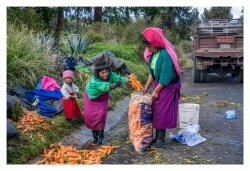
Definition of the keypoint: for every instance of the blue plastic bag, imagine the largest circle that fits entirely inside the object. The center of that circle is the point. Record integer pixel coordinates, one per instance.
(230, 114)
(188, 135)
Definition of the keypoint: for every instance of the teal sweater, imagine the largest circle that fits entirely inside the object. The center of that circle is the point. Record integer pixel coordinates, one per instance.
(164, 68)
(96, 86)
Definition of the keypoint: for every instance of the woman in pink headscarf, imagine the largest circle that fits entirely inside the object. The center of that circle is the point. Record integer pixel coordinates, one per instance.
(164, 72)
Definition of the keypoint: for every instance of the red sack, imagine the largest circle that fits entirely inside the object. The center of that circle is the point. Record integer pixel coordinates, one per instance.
(71, 109)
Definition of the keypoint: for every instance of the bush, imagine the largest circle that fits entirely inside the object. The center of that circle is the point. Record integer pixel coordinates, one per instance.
(102, 32)
(187, 46)
(26, 63)
(95, 37)
(120, 51)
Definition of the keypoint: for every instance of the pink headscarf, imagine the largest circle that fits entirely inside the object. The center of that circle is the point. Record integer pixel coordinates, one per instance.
(156, 38)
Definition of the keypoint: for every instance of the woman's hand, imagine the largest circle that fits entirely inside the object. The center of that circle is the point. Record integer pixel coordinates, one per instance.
(145, 90)
(154, 95)
(128, 79)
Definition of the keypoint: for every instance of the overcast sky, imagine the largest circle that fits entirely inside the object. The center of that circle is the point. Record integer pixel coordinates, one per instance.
(236, 10)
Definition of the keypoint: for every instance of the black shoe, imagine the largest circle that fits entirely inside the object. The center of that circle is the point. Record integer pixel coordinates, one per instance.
(160, 141)
(101, 137)
(95, 136)
(158, 145)
(155, 138)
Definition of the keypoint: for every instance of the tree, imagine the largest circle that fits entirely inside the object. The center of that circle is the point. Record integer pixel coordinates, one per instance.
(178, 20)
(59, 26)
(98, 14)
(48, 14)
(217, 13)
(26, 16)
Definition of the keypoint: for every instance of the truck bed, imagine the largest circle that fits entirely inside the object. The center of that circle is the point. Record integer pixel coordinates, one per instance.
(218, 46)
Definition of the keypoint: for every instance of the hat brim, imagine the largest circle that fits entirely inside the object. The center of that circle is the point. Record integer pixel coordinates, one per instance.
(101, 66)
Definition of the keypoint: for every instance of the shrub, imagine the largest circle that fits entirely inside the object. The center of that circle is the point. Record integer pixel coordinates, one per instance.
(120, 51)
(187, 46)
(26, 63)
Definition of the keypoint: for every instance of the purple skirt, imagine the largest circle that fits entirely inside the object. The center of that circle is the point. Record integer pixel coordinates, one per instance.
(95, 111)
(165, 107)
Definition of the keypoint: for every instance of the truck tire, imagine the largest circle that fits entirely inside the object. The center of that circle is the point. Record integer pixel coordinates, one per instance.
(240, 76)
(195, 72)
(203, 75)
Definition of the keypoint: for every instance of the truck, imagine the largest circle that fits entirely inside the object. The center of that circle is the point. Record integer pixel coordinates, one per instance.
(218, 48)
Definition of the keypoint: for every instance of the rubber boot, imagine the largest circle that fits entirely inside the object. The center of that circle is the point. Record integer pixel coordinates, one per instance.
(95, 136)
(155, 138)
(101, 137)
(160, 141)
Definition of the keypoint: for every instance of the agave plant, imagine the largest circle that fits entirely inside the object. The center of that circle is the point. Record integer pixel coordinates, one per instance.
(75, 45)
(43, 41)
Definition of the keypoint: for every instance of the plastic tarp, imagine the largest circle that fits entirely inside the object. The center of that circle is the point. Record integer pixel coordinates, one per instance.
(11, 130)
(140, 116)
(11, 100)
(70, 62)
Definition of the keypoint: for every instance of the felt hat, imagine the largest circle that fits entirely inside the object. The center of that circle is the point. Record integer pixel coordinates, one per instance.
(100, 63)
(68, 73)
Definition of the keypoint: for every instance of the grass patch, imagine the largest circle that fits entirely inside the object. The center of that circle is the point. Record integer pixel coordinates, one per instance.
(190, 99)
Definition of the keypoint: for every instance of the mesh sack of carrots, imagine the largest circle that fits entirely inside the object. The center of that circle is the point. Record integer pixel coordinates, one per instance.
(140, 117)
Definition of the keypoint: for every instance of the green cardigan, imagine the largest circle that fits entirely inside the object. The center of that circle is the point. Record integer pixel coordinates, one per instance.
(164, 68)
(96, 86)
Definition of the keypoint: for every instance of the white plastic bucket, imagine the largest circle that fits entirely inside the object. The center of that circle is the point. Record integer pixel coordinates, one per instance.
(188, 114)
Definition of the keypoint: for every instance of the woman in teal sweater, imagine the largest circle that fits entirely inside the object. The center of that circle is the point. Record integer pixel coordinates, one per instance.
(165, 73)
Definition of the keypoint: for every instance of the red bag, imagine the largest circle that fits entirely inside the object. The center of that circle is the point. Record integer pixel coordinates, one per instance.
(71, 109)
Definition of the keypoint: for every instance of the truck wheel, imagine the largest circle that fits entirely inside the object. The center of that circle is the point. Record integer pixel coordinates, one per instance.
(240, 76)
(203, 76)
(195, 72)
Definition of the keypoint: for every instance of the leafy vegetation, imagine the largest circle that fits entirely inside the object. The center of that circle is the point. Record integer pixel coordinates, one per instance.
(75, 45)
(26, 61)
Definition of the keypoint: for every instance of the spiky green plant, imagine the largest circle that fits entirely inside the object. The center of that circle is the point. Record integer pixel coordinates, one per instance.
(45, 42)
(74, 45)
(26, 63)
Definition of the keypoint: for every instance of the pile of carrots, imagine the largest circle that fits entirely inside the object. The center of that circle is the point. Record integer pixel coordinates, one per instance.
(59, 154)
(135, 83)
(33, 122)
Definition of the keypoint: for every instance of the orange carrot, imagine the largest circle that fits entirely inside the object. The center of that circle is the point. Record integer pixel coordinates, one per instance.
(39, 162)
(24, 131)
(19, 127)
(109, 151)
(101, 150)
(44, 151)
(61, 161)
(51, 146)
